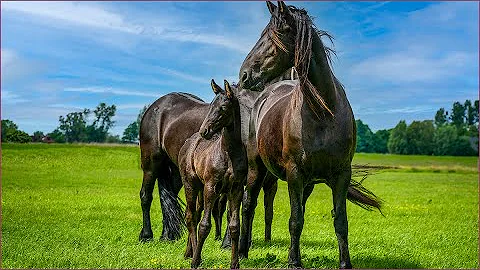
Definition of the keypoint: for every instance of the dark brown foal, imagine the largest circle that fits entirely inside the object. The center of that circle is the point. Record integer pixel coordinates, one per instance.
(214, 161)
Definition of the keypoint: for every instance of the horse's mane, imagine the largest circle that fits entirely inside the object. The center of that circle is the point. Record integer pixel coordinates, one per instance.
(305, 31)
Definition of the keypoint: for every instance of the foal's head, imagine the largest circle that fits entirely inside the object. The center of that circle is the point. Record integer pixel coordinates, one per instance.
(221, 113)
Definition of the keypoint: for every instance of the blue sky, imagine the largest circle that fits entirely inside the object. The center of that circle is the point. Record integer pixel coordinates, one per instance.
(397, 60)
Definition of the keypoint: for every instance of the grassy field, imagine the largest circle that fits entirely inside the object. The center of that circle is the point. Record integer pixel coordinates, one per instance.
(77, 206)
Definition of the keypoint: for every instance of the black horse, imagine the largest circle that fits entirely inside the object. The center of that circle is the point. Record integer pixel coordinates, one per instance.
(303, 132)
(165, 126)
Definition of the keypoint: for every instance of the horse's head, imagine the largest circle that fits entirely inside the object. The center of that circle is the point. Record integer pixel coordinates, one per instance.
(221, 112)
(273, 53)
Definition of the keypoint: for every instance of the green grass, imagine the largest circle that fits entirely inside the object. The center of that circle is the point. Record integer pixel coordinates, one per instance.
(77, 206)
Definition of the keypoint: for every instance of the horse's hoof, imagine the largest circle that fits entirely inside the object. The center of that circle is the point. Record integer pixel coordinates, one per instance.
(242, 255)
(296, 265)
(145, 237)
(195, 264)
(344, 265)
(235, 266)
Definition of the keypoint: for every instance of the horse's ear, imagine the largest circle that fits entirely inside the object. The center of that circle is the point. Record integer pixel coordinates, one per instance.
(216, 89)
(282, 7)
(228, 90)
(271, 7)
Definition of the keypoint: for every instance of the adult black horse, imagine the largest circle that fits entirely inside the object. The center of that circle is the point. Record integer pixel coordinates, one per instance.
(303, 132)
(165, 126)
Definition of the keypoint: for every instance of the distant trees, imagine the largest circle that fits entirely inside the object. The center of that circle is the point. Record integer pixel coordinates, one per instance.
(369, 142)
(74, 127)
(131, 133)
(455, 134)
(11, 133)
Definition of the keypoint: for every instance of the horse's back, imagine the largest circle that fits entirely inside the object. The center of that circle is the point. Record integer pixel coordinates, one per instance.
(169, 121)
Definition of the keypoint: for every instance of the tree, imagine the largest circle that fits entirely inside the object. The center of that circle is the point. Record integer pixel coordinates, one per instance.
(458, 114)
(469, 112)
(57, 136)
(8, 126)
(420, 138)
(37, 136)
(365, 138)
(475, 112)
(11, 133)
(131, 133)
(73, 126)
(381, 141)
(98, 130)
(441, 117)
(397, 142)
(444, 139)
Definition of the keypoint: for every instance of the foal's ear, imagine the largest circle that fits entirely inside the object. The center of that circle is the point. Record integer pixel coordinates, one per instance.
(216, 89)
(282, 7)
(271, 7)
(228, 90)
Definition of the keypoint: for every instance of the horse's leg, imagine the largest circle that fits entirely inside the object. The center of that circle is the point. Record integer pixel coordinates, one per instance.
(307, 191)
(205, 225)
(146, 197)
(270, 186)
(191, 217)
(295, 191)
(234, 201)
(255, 177)
(217, 212)
(151, 162)
(227, 239)
(339, 191)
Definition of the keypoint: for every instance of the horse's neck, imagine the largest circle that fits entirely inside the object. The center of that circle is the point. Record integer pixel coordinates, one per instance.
(320, 74)
(231, 134)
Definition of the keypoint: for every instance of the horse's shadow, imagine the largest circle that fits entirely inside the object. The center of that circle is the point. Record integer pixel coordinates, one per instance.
(358, 261)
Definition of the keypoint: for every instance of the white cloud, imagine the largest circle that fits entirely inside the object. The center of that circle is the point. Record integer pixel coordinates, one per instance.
(109, 90)
(10, 98)
(73, 12)
(409, 67)
(95, 15)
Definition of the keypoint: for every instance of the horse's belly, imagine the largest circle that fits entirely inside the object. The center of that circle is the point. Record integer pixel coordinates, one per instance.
(178, 130)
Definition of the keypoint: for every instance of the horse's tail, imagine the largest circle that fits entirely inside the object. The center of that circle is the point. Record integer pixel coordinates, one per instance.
(173, 214)
(363, 197)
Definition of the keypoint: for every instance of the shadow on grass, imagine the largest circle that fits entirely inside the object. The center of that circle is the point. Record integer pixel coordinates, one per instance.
(324, 262)
(364, 262)
(285, 243)
(384, 262)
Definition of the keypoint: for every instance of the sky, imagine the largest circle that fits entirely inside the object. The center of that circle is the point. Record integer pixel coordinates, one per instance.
(397, 60)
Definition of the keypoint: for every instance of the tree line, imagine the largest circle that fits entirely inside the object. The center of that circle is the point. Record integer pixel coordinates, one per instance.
(453, 134)
(449, 133)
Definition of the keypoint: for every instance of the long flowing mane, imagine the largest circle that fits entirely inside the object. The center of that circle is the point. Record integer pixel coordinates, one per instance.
(305, 31)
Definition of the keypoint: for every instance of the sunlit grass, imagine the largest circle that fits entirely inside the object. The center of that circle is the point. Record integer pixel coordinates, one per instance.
(77, 206)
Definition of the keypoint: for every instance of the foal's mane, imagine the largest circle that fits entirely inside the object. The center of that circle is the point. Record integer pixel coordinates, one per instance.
(305, 31)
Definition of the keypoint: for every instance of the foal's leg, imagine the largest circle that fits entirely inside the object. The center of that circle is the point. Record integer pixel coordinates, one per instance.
(255, 178)
(234, 201)
(217, 212)
(191, 217)
(206, 223)
(339, 191)
(270, 186)
(295, 191)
